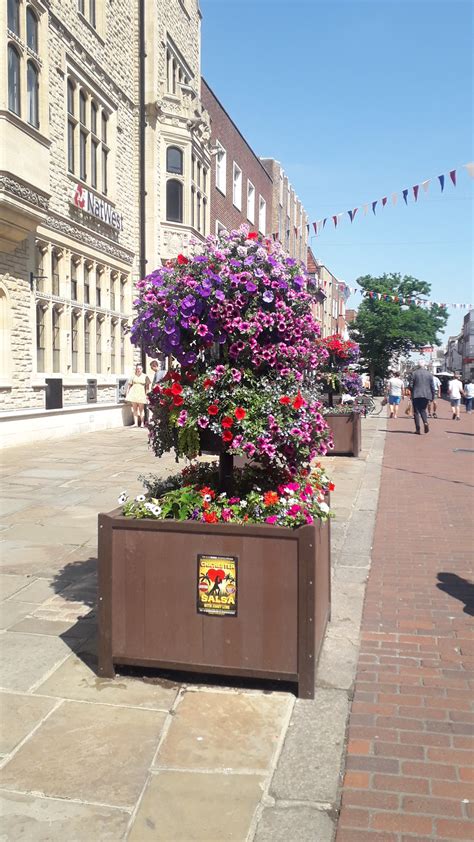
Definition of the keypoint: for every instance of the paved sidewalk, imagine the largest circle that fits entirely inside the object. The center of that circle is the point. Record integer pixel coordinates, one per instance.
(409, 773)
(84, 758)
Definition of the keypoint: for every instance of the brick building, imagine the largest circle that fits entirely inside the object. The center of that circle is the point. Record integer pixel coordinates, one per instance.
(241, 187)
(312, 268)
(289, 220)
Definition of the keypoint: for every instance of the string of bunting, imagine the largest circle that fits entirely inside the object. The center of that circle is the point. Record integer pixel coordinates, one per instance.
(337, 218)
(420, 302)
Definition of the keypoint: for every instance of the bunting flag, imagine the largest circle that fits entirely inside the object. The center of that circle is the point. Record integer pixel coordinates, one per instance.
(320, 223)
(420, 302)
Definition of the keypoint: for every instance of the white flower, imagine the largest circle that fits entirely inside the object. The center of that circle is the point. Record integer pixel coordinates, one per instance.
(123, 498)
(207, 498)
(243, 503)
(156, 511)
(290, 492)
(324, 508)
(140, 498)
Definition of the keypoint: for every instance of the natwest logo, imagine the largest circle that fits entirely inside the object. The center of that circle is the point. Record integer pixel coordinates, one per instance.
(91, 204)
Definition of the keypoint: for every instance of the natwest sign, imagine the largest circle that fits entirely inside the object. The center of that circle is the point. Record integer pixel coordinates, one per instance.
(91, 204)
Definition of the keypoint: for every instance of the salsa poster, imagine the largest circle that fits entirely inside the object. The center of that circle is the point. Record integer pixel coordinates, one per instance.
(217, 585)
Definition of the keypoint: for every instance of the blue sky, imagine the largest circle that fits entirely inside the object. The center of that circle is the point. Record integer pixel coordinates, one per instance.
(359, 99)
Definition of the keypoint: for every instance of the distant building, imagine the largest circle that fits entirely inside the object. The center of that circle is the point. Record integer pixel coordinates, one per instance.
(241, 189)
(351, 316)
(467, 346)
(453, 356)
(288, 218)
(319, 297)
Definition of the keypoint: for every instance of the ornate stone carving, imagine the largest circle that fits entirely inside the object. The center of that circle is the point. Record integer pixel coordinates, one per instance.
(23, 192)
(65, 227)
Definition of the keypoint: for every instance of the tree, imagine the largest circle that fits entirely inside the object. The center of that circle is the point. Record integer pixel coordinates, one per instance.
(385, 327)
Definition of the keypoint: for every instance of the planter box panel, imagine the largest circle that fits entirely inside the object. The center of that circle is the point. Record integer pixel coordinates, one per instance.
(347, 433)
(154, 587)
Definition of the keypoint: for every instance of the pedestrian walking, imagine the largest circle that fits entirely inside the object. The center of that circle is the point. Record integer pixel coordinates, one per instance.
(469, 395)
(138, 386)
(159, 372)
(422, 391)
(395, 388)
(455, 392)
(433, 406)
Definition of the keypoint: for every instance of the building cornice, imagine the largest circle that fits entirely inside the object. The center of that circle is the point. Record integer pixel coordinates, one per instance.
(62, 225)
(22, 190)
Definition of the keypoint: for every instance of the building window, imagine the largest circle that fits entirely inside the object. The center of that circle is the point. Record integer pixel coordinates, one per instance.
(198, 211)
(40, 269)
(32, 89)
(92, 13)
(13, 80)
(104, 124)
(221, 167)
(123, 334)
(5, 347)
(31, 29)
(54, 273)
(82, 155)
(98, 345)
(174, 201)
(174, 160)
(81, 5)
(56, 340)
(94, 144)
(75, 341)
(87, 343)
(123, 289)
(87, 284)
(204, 214)
(113, 361)
(40, 337)
(262, 215)
(73, 279)
(250, 202)
(237, 186)
(281, 188)
(113, 281)
(220, 228)
(14, 16)
(98, 291)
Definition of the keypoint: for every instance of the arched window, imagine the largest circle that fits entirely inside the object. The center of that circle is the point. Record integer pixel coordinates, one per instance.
(14, 16)
(13, 79)
(174, 201)
(31, 29)
(174, 160)
(32, 95)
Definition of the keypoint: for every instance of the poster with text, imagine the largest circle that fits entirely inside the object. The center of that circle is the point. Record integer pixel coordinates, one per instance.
(217, 585)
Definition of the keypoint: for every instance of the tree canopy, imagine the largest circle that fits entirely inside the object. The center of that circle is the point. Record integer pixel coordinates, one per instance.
(385, 328)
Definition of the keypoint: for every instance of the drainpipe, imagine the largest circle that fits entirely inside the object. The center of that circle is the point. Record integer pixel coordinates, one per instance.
(141, 151)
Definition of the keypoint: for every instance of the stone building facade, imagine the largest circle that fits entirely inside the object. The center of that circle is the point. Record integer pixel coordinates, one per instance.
(241, 188)
(288, 220)
(77, 177)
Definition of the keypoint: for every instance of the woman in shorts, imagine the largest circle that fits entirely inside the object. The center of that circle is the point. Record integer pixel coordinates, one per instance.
(395, 387)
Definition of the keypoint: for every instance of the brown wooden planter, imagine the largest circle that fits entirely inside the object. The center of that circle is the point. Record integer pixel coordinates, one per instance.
(148, 592)
(347, 433)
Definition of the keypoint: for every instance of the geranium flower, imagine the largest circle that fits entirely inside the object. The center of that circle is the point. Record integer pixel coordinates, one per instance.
(331, 486)
(210, 517)
(227, 436)
(213, 409)
(299, 401)
(178, 400)
(285, 400)
(182, 260)
(207, 491)
(176, 389)
(270, 498)
(240, 413)
(208, 383)
(252, 235)
(227, 421)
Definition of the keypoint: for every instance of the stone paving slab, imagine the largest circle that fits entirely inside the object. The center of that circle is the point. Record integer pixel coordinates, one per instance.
(11, 612)
(33, 819)
(88, 752)
(186, 807)
(238, 731)
(19, 714)
(296, 823)
(11, 584)
(26, 658)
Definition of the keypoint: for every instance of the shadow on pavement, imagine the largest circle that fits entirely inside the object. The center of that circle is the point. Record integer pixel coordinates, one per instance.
(458, 588)
(458, 433)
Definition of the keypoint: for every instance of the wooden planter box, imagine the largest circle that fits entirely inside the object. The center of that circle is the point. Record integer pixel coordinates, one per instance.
(148, 598)
(347, 433)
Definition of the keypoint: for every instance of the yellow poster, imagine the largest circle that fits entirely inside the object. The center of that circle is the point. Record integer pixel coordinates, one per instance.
(217, 585)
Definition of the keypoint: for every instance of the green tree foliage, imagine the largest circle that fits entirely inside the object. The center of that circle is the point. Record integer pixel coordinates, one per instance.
(387, 328)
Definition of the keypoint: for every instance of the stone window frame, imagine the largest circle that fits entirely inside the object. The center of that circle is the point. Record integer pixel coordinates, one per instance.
(221, 168)
(262, 215)
(5, 337)
(178, 74)
(93, 14)
(251, 201)
(91, 134)
(29, 59)
(199, 198)
(237, 179)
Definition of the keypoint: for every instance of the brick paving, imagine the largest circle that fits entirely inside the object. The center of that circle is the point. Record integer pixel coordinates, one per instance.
(409, 770)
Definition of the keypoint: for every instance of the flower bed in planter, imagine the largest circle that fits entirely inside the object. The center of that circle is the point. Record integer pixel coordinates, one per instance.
(346, 431)
(273, 622)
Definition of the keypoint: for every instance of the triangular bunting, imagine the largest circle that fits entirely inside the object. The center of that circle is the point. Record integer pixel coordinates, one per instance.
(470, 168)
(415, 189)
(425, 185)
(452, 176)
(334, 219)
(352, 214)
(441, 182)
(324, 221)
(374, 205)
(315, 226)
(384, 201)
(405, 195)
(365, 209)
(394, 198)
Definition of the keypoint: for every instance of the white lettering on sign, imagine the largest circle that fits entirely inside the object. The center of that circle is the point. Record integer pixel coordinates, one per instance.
(91, 204)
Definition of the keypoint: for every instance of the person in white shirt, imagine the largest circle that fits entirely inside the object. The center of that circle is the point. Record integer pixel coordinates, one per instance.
(395, 389)
(455, 392)
(433, 406)
(469, 395)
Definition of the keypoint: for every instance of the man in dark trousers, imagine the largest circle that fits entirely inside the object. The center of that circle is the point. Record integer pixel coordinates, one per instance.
(422, 390)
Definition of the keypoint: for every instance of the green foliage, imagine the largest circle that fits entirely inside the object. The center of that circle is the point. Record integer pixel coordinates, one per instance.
(387, 328)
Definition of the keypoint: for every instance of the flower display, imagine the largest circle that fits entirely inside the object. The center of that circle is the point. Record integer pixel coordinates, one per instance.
(236, 320)
(336, 371)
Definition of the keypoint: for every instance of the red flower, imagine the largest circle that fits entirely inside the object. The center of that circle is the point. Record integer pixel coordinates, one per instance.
(299, 401)
(240, 413)
(206, 490)
(227, 421)
(213, 409)
(252, 236)
(176, 389)
(285, 400)
(210, 517)
(208, 382)
(167, 391)
(227, 436)
(331, 486)
(178, 400)
(270, 498)
(182, 260)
